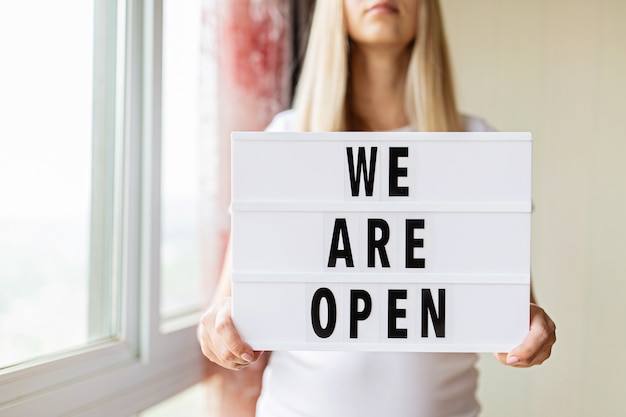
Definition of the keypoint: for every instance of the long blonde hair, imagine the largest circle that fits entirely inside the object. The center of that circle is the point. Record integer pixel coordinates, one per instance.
(320, 98)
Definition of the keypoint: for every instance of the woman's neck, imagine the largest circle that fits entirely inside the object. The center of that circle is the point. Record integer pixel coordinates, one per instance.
(375, 99)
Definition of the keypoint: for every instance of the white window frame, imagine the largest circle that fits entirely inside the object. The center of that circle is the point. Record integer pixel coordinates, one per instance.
(145, 366)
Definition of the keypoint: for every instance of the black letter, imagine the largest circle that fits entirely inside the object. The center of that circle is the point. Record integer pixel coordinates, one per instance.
(395, 171)
(412, 243)
(355, 314)
(428, 307)
(373, 244)
(315, 312)
(355, 175)
(346, 252)
(394, 313)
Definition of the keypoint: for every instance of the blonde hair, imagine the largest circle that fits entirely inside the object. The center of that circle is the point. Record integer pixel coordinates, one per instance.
(320, 98)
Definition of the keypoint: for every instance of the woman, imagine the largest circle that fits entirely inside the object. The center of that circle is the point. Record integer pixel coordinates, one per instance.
(371, 65)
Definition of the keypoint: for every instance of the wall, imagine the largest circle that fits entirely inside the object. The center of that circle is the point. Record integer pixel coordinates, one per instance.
(557, 68)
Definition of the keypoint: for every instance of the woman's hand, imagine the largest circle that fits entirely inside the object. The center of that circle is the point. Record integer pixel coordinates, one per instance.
(537, 345)
(220, 340)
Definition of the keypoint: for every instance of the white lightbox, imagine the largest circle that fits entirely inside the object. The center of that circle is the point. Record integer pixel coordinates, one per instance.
(390, 241)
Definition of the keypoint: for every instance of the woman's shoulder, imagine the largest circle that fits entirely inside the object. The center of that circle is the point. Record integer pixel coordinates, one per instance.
(475, 124)
(282, 122)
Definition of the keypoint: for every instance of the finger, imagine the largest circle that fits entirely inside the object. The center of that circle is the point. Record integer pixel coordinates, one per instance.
(211, 344)
(230, 346)
(218, 353)
(537, 345)
(501, 357)
(202, 334)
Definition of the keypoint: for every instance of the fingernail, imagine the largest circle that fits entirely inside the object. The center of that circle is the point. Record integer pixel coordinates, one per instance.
(511, 360)
(247, 357)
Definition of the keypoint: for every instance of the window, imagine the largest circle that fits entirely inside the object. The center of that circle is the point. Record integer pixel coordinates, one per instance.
(45, 162)
(80, 161)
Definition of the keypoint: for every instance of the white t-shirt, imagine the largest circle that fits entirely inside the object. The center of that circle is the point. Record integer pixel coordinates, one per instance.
(369, 384)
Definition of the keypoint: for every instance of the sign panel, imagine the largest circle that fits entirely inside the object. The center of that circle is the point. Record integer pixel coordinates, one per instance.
(390, 241)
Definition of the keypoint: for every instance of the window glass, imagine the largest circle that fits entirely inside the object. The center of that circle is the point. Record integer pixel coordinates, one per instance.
(45, 176)
(185, 187)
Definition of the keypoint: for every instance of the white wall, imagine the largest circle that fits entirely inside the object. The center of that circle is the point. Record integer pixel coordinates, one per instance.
(557, 68)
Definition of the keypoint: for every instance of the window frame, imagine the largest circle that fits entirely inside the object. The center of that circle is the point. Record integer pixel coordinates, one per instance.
(123, 376)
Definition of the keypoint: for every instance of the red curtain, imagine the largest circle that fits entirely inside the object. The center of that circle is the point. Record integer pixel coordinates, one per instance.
(246, 52)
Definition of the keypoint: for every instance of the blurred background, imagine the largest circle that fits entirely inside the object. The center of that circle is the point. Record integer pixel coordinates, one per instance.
(555, 68)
